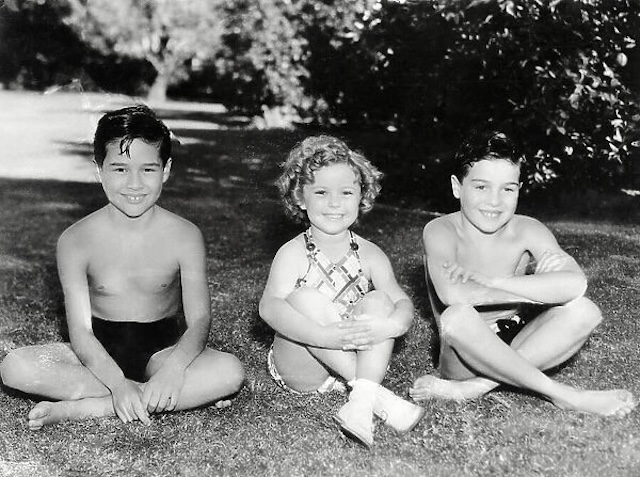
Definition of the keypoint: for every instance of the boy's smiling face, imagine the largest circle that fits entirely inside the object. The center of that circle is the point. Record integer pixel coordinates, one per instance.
(133, 182)
(488, 194)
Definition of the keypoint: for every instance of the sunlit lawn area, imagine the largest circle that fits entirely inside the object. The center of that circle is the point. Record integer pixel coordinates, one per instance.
(223, 184)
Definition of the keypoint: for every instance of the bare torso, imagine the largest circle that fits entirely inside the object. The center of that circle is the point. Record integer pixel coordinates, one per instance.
(132, 275)
(499, 255)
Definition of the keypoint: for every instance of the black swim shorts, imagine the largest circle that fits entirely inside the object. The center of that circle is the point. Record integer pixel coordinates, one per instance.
(131, 343)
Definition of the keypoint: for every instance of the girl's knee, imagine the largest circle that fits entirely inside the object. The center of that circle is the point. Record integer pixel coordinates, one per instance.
(376, 303)
(314, 305)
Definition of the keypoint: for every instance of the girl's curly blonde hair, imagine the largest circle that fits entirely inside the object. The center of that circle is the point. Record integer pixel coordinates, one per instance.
(314, 153)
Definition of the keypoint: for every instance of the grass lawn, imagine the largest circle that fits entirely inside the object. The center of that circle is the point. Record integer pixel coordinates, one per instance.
(223, 184)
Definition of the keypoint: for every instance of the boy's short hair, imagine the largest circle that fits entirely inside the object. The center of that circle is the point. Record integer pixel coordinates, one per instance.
(314, 153)
(125, 125)
(481, 145)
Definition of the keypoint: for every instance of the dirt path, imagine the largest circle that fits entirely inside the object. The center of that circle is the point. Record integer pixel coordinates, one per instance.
(49, 135)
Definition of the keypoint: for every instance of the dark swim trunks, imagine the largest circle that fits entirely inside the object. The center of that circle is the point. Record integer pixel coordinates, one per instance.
(508, 328)
(131, 343)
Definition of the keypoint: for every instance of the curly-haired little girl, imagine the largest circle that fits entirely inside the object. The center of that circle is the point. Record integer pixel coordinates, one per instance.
(332, 296)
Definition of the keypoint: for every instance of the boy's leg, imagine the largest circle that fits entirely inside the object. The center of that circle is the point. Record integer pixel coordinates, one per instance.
(484, 353)
(52, 370)
(211, 377)
(546, 341)
(55, 372)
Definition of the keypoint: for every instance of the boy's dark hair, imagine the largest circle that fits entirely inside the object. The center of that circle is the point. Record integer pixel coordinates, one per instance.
(492, 144)
(125, 125)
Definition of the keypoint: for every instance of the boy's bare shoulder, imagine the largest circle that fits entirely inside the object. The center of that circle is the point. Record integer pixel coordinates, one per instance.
(83, 229)
(524, 225)
(175, 225)
(441, 227)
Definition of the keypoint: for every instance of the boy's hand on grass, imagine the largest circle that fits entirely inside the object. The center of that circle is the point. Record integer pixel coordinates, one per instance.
(127, 403)
(162, 391)
(347, 335)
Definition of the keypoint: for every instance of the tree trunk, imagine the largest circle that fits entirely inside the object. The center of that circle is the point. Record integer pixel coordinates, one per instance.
(158, 91)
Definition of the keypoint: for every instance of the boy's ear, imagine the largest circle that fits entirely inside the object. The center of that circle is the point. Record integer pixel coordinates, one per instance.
(166, 171)
(455, 186)
(98, 171)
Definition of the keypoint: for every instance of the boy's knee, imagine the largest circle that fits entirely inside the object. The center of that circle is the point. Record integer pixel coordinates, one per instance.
(587, 312)
(314, 305)
(234, 371)
(454, 320)
(376, 303)
(13, 369)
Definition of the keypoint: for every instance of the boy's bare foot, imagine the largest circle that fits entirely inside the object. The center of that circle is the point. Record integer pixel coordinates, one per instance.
(46, 412)
(432, 387)
(612, 403)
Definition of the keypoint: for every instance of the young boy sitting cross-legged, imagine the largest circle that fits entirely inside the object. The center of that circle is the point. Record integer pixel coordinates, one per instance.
(128, 272)
(475, 261)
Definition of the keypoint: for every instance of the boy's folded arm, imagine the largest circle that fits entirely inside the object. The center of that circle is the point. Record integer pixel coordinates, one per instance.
(440, 250)
(555, 287)
(475, 294)
(557, 279)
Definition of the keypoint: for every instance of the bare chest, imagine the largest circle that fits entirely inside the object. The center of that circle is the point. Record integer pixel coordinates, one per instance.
(122, 271)
(503, 259)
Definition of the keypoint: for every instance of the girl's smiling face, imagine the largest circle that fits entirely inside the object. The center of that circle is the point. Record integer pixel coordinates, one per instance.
(332, 201)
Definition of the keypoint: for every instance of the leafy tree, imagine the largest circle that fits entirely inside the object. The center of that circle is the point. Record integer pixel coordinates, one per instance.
(550, 70)
(270, 51)
(36, 48)
(174, 36)
(554, 70)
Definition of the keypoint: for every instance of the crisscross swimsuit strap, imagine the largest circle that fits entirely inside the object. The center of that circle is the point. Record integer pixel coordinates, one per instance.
(343, 281)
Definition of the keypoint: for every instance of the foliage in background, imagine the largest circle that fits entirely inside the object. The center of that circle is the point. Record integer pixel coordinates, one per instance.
(552, 71)
(271, 46)
(553, 68)
(563, 75)
(174, 36)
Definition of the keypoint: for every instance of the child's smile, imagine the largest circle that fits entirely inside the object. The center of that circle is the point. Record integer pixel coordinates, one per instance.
(133, 183)
(332, 201)
(489, 194)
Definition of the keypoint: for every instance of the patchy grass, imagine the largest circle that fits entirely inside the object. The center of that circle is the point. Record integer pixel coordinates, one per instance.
(222, 184)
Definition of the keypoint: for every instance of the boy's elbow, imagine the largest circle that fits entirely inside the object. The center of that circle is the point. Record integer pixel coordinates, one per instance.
(452, 297)
(578, 288)
(263, 309)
